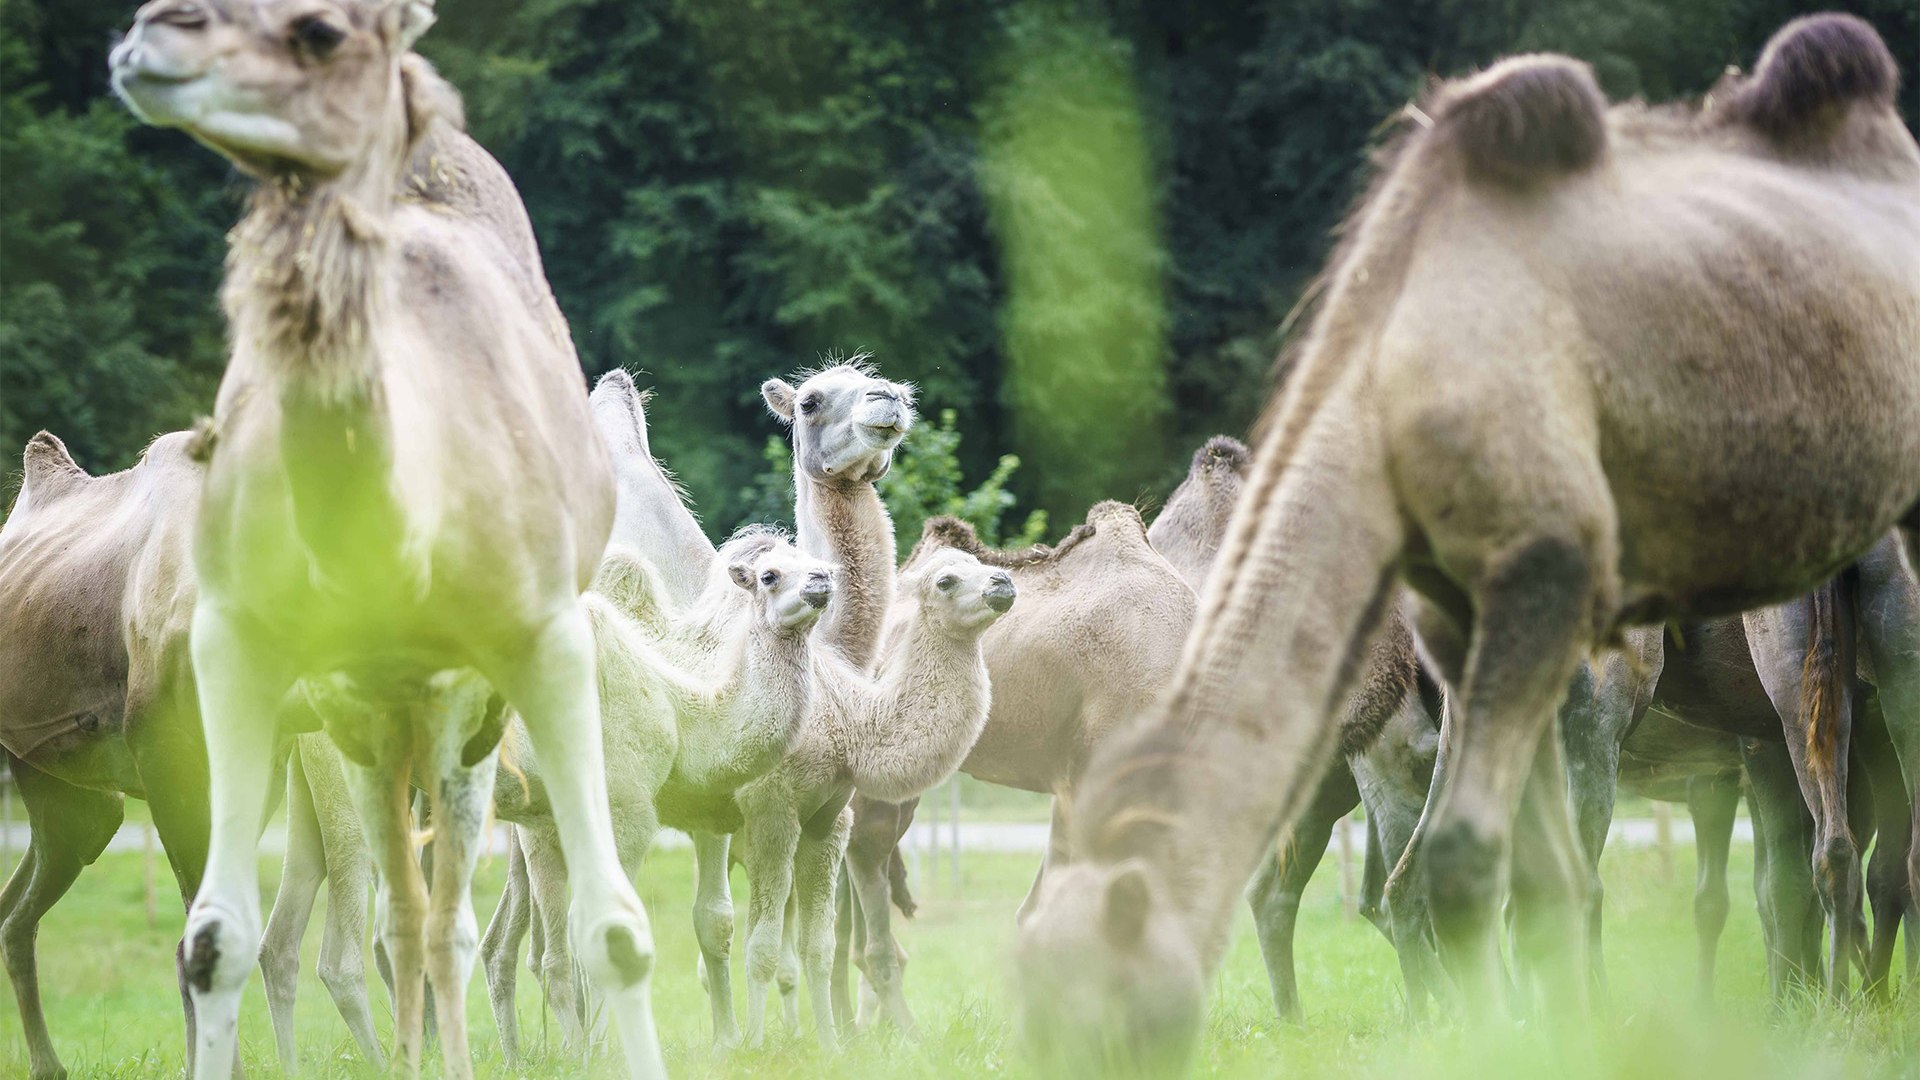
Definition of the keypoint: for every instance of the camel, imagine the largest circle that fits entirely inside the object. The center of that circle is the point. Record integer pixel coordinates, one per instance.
(97, 698)
(403, 501)
(1640, 416)
(895, 734)
(1188, 530)
(1095, 637)
(693, 703)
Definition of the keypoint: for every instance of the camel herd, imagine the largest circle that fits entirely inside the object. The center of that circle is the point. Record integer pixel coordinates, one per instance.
(1598, 469)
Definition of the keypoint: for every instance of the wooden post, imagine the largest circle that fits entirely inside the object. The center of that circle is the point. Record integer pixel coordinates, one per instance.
(953, 811)
(1663, 837)
(147, 875)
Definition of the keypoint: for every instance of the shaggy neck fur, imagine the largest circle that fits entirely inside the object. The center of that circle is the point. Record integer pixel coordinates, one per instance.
(911, 727)
(848, 526)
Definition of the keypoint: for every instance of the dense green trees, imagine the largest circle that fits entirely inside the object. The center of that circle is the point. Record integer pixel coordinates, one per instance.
(1076, 225)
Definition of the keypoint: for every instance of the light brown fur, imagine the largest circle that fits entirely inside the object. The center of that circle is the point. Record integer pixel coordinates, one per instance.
(404, 495)
(1673, 376)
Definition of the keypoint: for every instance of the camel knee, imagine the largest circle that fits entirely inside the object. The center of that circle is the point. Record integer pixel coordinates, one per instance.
(618, 954)
(344, 976)
(713, 928)
(221, 949)
(1462, 877)
(1836, 870)
(453, 938)
(763, 953)
(1710, 908)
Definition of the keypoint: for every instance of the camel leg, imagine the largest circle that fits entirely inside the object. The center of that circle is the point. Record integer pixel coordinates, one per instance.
(771, 840)
(169, 750)
(877, 828)
(1551, 873)
(1527, 640)
(844, 923)
(1712, 803)
(1889, 629)
(816, 869)
(461, 796)
(713, 929)
(1274, 894)
(1395, 778)
(1373, 882)
(349, 871)
(500, 950)
(240, 692)
(553, 686)
(1783, 874)
(301, 874)
(787, 978)
(1057, 853)
(1803, 652)
(1887, 896)
(70, 828)
(382, 798)
(553, 963)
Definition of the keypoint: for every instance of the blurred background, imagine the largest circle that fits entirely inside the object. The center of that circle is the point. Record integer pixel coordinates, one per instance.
(1077, 226)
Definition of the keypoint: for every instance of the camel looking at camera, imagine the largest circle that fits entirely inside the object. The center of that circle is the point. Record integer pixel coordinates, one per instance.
(404, 497)
(1676, 380)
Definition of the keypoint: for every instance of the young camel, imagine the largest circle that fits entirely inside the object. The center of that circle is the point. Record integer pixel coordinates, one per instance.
(680, 765)
(1651, 333)
(895, 734)
(403, 500)
(96, 694)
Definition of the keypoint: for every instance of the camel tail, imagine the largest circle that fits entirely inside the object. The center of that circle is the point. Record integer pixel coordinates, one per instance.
(1823, 704)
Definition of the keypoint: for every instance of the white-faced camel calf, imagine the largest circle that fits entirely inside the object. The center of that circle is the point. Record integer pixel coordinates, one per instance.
(404, 497)
(1576, 370)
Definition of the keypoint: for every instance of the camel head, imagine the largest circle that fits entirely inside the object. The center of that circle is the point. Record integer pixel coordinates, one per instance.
(789, 588)
(1109, 983)
(846, 421)
(303, 88)
(959, 593)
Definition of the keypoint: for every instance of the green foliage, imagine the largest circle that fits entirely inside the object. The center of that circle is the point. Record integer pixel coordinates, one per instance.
(925, 481)
(1077, 224)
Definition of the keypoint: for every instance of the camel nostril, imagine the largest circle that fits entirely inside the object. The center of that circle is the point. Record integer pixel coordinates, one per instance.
(1000, 593)
(817, 593)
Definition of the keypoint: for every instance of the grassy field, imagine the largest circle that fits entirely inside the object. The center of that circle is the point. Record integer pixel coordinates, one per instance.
(108, 979)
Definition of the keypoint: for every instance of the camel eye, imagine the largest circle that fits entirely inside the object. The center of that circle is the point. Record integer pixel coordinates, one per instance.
(946, 583)
(809, 404)
(317, 36)
(770, 578)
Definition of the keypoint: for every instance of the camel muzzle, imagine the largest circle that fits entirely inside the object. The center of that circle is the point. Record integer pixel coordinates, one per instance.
(1000, 593)
(817, 592)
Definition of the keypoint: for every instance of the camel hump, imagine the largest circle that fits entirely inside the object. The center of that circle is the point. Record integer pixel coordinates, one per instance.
(50, 471)
(1526, 119)
(1222, 451)
(1812, 67)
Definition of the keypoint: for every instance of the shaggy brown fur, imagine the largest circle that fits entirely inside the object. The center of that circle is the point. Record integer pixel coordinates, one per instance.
(951, 532)
(1811, 70)
(1526, 119)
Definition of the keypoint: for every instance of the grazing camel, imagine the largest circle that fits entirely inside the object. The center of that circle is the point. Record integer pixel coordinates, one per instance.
(403, 501)
(96, 694)
(1676, 380)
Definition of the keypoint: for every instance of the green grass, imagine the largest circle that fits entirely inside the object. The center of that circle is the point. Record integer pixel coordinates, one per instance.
(108, 980)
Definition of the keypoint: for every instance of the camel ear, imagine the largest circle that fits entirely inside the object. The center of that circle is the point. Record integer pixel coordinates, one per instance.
(1123, 916)
(742, 575)
(413, 17)
(429, 97)
(779, 398)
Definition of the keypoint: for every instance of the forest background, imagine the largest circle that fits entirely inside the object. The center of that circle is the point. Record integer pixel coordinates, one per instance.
(1078, 227)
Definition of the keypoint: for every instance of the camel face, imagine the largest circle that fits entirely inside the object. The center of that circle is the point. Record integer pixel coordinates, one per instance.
(846, 421)
(961, 593)
(790, 589)
(300, 88)
(1106, 979)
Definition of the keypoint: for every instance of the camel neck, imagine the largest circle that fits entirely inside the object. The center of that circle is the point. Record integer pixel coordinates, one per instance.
(848, 526)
